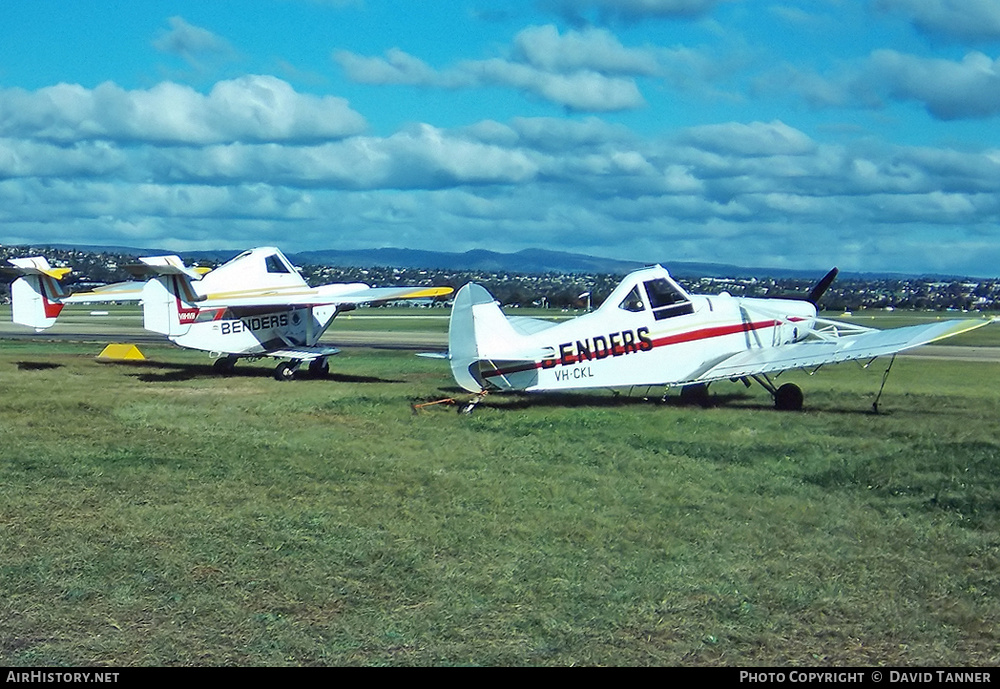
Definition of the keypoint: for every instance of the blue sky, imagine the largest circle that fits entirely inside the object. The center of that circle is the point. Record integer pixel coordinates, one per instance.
(857, 133)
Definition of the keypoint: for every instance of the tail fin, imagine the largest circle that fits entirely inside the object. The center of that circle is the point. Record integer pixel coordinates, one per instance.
(168, 300)
(168, 305)
(36, 295)
(486, 351)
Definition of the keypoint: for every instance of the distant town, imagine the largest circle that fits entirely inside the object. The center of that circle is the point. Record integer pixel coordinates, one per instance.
(576, 290)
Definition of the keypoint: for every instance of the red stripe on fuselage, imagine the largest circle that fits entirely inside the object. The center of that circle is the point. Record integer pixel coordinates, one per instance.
(718, 331)
(689, 336)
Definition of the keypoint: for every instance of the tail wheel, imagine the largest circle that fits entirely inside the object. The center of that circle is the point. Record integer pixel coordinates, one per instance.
(284, 371)
(788, 397)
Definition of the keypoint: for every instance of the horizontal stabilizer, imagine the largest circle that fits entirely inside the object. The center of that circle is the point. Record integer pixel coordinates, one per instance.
(151, 266)
(304, 353)
(525, 325)
(34, 265)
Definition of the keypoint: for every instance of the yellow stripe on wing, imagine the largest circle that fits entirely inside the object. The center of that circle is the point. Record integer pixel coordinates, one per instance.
(427, 292)
(962, 327)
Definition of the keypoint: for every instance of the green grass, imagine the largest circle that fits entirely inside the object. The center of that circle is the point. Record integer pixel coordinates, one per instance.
(158, 515)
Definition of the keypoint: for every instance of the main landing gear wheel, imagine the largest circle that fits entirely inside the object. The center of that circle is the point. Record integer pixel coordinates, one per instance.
(284, 371)
(319, 368)
(788, 398)
(224, 366)
(695, 395)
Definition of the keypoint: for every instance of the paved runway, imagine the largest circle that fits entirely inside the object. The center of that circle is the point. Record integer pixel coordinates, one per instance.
(406, 340)
(955, 353)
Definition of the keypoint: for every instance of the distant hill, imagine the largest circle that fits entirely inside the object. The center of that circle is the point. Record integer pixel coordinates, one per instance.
(530, 261)
(526, 261)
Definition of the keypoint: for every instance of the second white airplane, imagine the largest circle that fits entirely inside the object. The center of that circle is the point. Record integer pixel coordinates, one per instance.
(255, 305)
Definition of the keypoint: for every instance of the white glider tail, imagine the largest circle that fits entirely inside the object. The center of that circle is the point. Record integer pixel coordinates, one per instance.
(36, 297)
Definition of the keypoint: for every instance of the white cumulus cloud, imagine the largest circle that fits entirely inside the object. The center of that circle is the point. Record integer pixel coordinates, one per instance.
(251, 108)
(194, 44)
(588, 71)
(948, 89)
(963, 20)
(634, 9)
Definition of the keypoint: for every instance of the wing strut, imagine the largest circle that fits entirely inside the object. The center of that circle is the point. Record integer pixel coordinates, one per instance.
(885, 377)
(765, 383)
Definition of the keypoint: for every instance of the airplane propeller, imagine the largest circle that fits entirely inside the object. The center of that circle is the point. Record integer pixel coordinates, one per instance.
(821, 287)
(817, 291)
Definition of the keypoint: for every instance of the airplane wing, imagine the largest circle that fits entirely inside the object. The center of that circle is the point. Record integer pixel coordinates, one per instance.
(864, 344)
(338, 294)
(119, 291)
(354, 294)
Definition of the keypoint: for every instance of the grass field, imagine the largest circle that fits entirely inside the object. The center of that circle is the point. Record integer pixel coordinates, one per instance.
(158, 515)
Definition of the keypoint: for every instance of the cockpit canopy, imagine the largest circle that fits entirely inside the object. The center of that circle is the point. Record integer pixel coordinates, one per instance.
(661, 295)
(261, 268)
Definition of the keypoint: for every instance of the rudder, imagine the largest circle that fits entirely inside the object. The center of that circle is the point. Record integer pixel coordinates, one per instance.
(167, 307)
(35, 295)
(478, 334)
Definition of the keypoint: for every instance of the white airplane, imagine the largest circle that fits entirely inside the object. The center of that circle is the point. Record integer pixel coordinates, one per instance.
(255, 305)
(650, 332)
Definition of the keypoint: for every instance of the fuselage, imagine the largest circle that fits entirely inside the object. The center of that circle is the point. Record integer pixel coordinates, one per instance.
(648, 332)
(262, 273)
(252, 331)
(636, 349)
